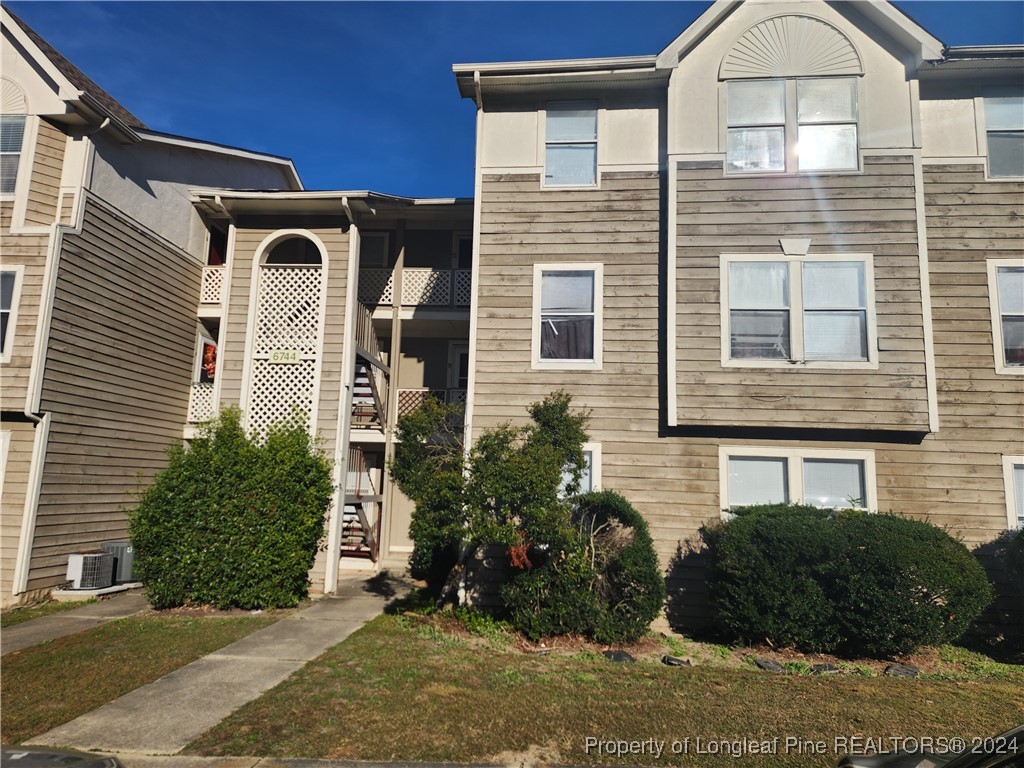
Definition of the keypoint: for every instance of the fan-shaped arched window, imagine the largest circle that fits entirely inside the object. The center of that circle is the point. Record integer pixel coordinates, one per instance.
(12, 134)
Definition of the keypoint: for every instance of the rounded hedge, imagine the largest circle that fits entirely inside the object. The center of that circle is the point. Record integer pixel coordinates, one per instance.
(608, 586)
(233, 522)
(842, 582)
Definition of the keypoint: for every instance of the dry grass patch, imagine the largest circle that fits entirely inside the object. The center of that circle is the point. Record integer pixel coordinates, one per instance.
(50, 684)
(402, 690)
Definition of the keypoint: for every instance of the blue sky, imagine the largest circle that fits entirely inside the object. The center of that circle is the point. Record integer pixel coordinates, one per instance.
(361, 95)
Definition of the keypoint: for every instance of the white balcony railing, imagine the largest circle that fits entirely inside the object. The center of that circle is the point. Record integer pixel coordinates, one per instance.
(212, 291)
(420, 287)
(411, 399)
(200, 402)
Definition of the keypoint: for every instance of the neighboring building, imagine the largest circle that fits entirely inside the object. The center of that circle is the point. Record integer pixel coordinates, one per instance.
(748, 318)
(102, 257)
(781, 260)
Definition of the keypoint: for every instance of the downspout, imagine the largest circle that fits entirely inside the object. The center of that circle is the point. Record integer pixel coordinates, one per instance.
(467, 426)
(348, 364)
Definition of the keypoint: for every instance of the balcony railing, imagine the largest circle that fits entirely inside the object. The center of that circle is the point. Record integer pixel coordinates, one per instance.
(411, 399)
(200, 402)
(420, 287)
(212, 291)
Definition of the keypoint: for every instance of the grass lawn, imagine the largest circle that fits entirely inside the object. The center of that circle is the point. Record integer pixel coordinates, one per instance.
(17, 615)
(50, 684)
(403, 690)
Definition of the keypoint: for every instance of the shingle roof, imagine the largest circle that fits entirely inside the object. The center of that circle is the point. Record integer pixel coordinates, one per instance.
(78, 78)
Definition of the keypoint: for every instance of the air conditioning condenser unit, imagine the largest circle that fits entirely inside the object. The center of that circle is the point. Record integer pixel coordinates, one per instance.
(90, 570)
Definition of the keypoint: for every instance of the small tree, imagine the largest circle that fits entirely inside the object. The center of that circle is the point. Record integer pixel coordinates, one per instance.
(232, 521)
(508, 489)
(581, 564)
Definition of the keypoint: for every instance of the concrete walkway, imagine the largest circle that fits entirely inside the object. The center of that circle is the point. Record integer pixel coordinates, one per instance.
(69, 622)
(163, 717)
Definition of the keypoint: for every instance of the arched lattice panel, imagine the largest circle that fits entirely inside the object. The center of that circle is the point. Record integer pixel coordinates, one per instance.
(791, 46)
(285, 345)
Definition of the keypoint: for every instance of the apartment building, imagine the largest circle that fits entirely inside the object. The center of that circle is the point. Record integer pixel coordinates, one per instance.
(781, 260)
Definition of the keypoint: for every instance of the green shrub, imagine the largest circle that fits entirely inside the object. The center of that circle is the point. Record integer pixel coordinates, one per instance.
(606, 584)
(847, 582)
(233, 522)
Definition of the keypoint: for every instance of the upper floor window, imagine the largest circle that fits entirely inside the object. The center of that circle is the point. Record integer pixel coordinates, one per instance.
(1006, 292)
(1004, 134)
(570, 144)
(818, 478)
(807, 124)
(567, 316)
(796, 310)
(12, 133)
(10, 286)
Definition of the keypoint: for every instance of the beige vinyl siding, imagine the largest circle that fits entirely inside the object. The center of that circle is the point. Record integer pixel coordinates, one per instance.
(116, 381)
(44, 185)
(28, 251)
(12, 502)
(871, 213)
(234, 345)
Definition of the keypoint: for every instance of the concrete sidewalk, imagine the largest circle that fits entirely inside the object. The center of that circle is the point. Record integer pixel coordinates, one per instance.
(69, 622)
(163, 717)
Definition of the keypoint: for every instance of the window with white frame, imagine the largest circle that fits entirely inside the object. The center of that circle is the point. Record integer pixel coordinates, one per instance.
(567, 315)
(806, 124)
(1013, 477)
(1006, 294)
(12, 133)
(10, 289)
(809, 309)
(1004, 133)
(590, 478)
(819, 478)
(570, 144)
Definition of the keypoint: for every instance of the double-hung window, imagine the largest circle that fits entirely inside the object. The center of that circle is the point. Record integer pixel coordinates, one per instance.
(12, 133)
(797, 310)
(570, 144)
(807, 124)
(567, 315)
(10, 289)
(819, 478)
(1004, 134)
(1006, 294)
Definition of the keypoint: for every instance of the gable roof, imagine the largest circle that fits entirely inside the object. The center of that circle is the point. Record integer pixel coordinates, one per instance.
(77, 77)
(902, 28)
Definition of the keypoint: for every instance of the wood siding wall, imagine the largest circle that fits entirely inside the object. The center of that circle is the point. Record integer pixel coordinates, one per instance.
(116, 381)
(12, 502)
(953, 478)
(28, 250)
(234, 344)
(44, 188)
(872, 213)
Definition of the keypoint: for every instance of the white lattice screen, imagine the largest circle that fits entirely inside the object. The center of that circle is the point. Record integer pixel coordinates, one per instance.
(426, 286)
(288, 308)
(463, 287)
(376, 286)
(213, 285)
(200, 402)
